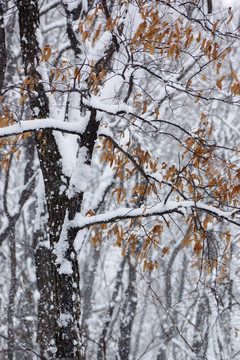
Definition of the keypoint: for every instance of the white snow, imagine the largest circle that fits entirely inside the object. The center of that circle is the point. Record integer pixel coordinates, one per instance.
(81, 176)
(159, 209)
(96, 102)
(37, 124)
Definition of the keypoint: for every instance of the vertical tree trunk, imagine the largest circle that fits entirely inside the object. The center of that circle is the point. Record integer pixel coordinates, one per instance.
(64, 284)
(209, 2)
(62, 277)
(3, 53)
(128, 314)
(12, 293)
(102, 351)
(46, 312)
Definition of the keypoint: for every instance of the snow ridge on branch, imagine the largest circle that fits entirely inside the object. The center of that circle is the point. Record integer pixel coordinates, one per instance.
(161, 209)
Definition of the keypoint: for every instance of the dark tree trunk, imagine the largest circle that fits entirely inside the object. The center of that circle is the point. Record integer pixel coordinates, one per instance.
(46, 311)
(62, 278)
(64, 285)
(12, 293)
(3, 53)
(209, 6)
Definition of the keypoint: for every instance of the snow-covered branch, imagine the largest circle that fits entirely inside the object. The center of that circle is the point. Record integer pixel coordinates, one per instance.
(38, 124)
(161, 209)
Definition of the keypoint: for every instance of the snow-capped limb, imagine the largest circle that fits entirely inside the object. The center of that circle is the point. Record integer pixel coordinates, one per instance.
(96, 103)
(38, 124)
(161, 209)
(54, 124)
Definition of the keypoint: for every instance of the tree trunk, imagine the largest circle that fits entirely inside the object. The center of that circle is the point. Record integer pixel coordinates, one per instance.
(12, 293)
(62, 276)
(128, 314)
(3, 53)
(46, 312)
(63, 282)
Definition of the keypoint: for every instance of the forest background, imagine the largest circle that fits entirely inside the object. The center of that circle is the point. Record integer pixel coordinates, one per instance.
(119, 136)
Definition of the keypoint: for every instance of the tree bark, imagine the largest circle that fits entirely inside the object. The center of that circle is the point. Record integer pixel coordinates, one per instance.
(128, 314)
(12, 293)
(3, 53)
(65, 285)
(209, 6)
(63, 280)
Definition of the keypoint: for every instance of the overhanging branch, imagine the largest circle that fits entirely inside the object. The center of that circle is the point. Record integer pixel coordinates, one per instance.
(39, 124)
(80, 222)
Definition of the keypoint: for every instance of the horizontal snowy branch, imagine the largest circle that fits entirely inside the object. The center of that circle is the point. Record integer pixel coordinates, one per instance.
(54, 124)
(96, 103)
(38, 124)
(81, 222)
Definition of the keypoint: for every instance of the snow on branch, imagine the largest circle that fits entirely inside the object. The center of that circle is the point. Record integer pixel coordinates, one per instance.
(38, 124)
(96, 103)
(81, 221)
(54, 124)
